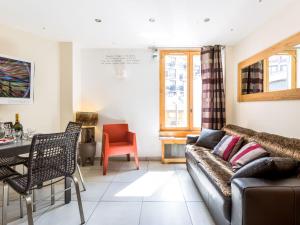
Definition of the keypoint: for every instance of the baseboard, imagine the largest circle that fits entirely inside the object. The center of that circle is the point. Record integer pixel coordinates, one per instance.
(142, 158)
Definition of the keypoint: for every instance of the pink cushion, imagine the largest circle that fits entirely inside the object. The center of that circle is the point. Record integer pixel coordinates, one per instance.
(225, 146)
(246, 154)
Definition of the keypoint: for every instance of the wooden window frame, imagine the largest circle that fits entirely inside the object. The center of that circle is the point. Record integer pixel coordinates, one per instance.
(178, 131)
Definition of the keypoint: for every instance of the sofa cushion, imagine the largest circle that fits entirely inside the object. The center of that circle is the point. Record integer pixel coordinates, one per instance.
(236, 148)
(216, 169)
(246, 154)
(209, 138)
(268, 167)
(225, 146)
(193, 149)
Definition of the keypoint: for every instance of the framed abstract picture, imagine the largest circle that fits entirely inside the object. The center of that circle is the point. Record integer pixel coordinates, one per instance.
(16, 80)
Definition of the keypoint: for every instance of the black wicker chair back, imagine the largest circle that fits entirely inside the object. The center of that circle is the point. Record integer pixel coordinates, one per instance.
(73, 127)
(51, 156)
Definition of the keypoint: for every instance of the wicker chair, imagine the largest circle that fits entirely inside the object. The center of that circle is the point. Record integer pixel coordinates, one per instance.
(51, 156)
(76, 127)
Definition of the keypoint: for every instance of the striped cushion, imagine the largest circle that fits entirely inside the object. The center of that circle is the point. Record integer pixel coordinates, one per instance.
(225, 146)
(246, 154)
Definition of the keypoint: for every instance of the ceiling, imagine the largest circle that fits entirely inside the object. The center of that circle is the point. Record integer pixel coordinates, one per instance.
(125, 23)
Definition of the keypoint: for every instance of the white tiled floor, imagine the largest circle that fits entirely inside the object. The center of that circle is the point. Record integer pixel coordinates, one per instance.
(156, 194)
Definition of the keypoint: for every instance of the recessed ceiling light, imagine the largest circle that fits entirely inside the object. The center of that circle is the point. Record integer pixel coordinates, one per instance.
(231, 29)
(44, 28)
(97, 20)
(260, 1)
(151, 19)
(206, 20)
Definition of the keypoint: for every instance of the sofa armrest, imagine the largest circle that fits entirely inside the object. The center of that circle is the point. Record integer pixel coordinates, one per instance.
(191, 139)
(260, 202)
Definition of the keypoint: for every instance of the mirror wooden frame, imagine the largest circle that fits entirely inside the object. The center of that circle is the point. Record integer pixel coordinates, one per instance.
(291, 94)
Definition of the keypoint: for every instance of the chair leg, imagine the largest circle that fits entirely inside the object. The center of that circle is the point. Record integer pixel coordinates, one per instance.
(101, 159)
(21, 207)
(4, 207)
(52, 193)
(105, 164)
(33, 200)
(8, 196)
(79, 199)
(128, 157)
(29, 209)
(136, 159)
(81, 177)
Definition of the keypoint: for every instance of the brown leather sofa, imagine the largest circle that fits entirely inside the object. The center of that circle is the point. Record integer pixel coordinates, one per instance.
(246, 201)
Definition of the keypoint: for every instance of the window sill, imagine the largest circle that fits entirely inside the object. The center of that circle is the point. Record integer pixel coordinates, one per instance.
(178, 133)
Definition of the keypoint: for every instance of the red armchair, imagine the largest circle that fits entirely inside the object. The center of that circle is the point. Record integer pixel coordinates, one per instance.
(117, 140)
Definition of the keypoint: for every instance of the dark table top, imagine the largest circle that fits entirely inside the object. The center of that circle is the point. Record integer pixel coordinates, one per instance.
(16, 148)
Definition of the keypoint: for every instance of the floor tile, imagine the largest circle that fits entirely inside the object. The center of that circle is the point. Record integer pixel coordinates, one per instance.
(157, 194)
(165, 213)
(199, 213)
(127, 166)
(167, 187)
(62, 214)
(116, 213)
(157, 165)
(122, 192)
(97, 176)
(188, 187)
(129, 176)
(94, 192)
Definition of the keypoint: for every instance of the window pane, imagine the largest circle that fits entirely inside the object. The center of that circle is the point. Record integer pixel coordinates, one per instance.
(280, 72)
(176, 91)
(197, 91)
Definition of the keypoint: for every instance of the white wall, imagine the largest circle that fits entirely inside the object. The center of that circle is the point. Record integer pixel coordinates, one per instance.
(66, 84)
(44, 113)
(134, 100)
(280, 117)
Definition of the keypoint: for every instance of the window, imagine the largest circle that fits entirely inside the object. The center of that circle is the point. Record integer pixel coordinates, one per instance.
(281, 69)
(180, 92)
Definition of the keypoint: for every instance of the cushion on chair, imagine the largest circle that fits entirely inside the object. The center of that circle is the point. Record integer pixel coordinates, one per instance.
(246, 154)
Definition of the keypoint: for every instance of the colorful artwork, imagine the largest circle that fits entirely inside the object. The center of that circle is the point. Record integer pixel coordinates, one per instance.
(15, 79)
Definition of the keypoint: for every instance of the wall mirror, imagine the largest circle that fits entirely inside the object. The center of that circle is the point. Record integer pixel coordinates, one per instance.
(273, 74)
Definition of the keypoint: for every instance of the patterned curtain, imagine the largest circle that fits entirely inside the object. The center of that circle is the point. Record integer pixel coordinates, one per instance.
(213, 96)
(253, 78)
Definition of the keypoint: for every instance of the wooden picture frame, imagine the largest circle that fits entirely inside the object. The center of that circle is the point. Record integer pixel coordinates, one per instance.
(290, 94)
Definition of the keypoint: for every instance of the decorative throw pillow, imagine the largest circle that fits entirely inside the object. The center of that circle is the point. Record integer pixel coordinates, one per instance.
(236, 148)
(209, 138)
(268, 167)
(246, 154)
(225, 146)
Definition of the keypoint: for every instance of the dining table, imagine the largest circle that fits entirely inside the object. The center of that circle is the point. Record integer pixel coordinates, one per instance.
(23, 147)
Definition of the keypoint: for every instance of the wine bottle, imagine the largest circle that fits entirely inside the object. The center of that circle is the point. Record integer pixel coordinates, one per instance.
(18, 126)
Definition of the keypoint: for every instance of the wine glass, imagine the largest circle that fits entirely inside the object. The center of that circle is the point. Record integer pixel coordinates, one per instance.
(2, 130)
(30, 132)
